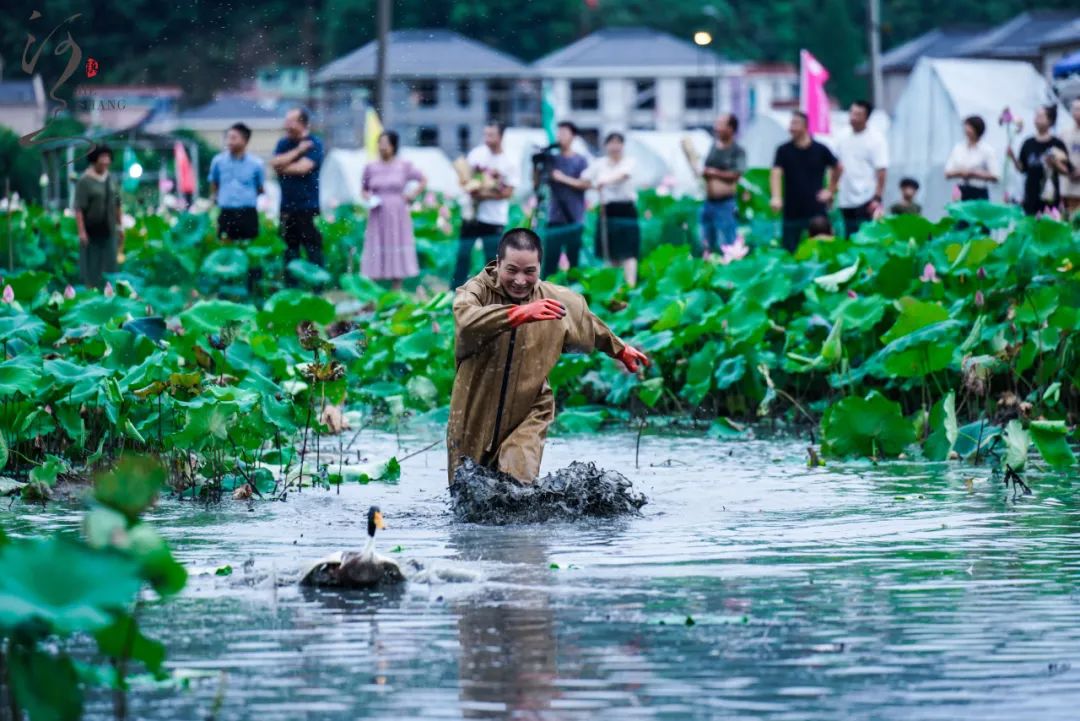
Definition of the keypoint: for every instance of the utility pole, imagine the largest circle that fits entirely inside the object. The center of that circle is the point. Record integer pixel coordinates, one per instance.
(873, 32)
(382, 22)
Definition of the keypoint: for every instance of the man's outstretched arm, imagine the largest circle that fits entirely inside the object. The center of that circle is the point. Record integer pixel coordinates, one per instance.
(476, 324)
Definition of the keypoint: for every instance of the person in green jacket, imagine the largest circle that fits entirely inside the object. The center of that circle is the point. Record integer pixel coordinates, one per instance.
(99, 219)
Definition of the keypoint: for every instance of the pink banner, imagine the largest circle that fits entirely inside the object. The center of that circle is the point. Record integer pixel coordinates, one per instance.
(813, 99)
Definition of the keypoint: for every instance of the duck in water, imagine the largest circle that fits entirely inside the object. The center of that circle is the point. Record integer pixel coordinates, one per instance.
(348, 569)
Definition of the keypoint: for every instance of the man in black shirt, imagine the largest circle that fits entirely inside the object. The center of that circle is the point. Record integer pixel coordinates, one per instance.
(797, 180)
(1040, 155)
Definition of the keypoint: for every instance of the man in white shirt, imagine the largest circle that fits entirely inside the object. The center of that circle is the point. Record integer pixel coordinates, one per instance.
(864, 159)
(495, 175)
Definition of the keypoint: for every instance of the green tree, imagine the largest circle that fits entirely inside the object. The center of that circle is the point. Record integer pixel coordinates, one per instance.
(835, 38)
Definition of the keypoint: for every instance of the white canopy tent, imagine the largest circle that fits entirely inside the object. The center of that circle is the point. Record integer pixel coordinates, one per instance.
(769, 130)
(929, 121)
(342, 171)
(662, 158)
(657, 156)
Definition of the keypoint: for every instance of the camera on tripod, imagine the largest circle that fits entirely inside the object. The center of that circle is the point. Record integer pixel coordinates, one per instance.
(543, 162)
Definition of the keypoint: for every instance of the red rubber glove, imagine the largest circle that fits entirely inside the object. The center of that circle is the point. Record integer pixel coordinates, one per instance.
(544, 309)
(630, 358)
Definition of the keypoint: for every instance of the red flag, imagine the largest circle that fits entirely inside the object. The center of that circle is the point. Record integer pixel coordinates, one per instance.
(185, 174)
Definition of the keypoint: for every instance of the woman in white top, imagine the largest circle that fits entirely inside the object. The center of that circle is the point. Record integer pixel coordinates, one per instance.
(972, 162)
(618, 237)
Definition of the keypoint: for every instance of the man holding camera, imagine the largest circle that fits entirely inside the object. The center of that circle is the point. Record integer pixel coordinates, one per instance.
(566, 208)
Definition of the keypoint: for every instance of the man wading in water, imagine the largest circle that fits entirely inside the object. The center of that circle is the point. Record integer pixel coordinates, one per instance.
(511, 328)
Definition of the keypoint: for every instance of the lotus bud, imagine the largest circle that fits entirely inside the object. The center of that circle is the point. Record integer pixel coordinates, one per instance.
(69, 292)
(981, 273)
(9, 294)
(852, 294)
(980, 299)
(109, 292)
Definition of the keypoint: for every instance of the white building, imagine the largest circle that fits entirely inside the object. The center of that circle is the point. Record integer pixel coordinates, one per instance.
(641, 79)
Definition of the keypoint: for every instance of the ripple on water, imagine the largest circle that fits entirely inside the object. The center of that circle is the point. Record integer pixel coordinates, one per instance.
(897, 592)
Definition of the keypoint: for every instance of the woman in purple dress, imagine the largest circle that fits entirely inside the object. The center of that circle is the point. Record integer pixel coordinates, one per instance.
(389, 247)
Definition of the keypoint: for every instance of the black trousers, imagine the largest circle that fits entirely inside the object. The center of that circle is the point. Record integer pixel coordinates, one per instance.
(792, 233)
(488, 233)
(238, 223)
(298, 230)
(970, 192)
(855, 217)
(559, 238)
(241, 224)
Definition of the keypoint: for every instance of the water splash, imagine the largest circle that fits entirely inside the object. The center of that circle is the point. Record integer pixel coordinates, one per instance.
(482, 495)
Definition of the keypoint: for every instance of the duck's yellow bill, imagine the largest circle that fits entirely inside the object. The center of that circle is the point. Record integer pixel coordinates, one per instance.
(379, 521)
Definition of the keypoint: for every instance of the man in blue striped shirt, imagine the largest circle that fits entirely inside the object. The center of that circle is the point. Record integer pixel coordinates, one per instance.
(236, 180)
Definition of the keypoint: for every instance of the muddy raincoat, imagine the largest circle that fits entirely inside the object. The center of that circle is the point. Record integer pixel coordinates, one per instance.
(501, 404)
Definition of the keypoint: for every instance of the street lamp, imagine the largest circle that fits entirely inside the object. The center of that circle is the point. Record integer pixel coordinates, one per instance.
(702, 38)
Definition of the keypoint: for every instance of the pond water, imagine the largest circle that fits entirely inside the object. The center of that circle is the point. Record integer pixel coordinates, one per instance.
(899, 591)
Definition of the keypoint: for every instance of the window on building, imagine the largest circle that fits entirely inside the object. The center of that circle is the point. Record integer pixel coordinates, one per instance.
(425, 93)
(427, 137)
(584, 95)
(591, 136)
(699, 94)
(464, 93)
(644, 95)
(498, 101)
(463, 138)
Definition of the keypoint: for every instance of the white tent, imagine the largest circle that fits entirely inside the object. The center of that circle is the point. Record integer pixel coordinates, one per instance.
(769, 130)
(929, 121)
(661, 158)
(342, 171)
(657, 156)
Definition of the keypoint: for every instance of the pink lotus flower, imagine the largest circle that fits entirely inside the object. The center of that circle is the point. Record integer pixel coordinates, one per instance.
(48, 409)
(980, 299)
(852, 294)
(956, 193)
(109, 292)
(734, 251)
(69, 292)
(9, 294)
(430, 198)
(444, 212)
(929, 274)
(1006, 116)
(1054, 214)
